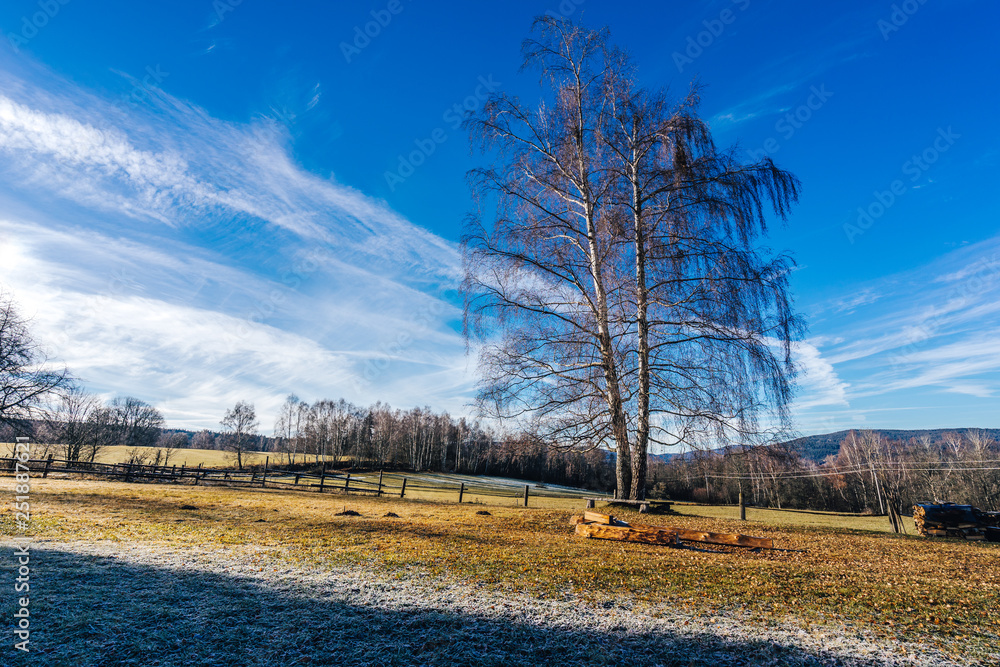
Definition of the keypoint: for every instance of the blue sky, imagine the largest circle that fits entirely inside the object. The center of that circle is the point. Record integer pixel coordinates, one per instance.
(203, 202)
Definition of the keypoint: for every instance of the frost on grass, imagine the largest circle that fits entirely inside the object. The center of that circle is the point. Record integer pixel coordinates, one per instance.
(110, 604)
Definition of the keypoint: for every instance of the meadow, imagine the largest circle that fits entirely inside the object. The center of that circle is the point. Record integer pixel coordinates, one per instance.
(828, 571)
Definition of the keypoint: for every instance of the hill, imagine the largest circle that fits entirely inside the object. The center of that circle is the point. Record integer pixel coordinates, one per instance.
(818, 447)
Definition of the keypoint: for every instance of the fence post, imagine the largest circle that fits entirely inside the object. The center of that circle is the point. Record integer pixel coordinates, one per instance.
(461, 492)
(379, 483)
(48, 464)
(263, 481)
(296, 478)
(402, 491)
(347, 482)
(525, 495)
(322, 479)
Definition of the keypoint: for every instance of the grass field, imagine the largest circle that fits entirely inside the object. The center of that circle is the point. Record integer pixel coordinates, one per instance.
(828, 569)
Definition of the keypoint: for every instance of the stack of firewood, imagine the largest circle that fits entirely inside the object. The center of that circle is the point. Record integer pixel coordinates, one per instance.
(951, 520)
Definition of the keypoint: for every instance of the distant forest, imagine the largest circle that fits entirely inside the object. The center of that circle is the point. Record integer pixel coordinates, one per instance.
(850, 471)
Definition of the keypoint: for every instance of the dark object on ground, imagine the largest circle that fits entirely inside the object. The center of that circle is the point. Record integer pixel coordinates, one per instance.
(951, 520)
(347, 513)
(188, 507)
(392, 514)
(484, 513)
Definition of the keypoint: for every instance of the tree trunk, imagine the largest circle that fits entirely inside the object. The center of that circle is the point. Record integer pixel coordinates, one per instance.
(640, 450)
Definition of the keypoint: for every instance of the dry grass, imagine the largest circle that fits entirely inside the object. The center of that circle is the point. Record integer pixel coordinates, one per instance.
(946, 592)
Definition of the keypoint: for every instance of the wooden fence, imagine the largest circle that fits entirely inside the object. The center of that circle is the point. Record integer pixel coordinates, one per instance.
(322, 482)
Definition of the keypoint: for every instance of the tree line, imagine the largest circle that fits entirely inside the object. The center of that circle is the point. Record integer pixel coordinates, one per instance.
(870, 474)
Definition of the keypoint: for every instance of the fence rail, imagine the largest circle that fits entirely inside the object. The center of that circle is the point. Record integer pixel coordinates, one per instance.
(334, 481)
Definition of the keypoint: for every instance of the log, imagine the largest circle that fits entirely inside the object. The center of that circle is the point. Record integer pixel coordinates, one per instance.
(627, 534)
(726, 539)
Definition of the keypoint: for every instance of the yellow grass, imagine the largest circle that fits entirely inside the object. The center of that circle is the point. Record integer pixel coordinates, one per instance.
(944, 591)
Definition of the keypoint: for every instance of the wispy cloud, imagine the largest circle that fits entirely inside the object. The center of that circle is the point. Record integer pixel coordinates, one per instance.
(191, 261)
(931, 329)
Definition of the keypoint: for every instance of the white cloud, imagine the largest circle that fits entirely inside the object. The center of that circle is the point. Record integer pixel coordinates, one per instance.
(818, 382)
(190, 261)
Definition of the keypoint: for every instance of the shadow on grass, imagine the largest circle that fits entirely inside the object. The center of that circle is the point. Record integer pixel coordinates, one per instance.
(91, 610)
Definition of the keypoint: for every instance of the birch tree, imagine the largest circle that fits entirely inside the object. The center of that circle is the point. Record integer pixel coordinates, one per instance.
(612, 267)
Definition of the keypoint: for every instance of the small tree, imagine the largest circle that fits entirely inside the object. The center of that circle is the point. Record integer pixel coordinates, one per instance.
(168, 444)
(240, 424)
(69, 424)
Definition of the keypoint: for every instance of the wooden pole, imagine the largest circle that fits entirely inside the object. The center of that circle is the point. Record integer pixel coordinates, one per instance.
(743, 507)
(402, 491)
(379, 483)
(525, 495)
(263, 481)
(296, 478)
(461, 492)
(48, 464)
(322, 478)
(347, 482)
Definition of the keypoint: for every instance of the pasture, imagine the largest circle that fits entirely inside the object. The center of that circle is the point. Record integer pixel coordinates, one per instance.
(941, 594)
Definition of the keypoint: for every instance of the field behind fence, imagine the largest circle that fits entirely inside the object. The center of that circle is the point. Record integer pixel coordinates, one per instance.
(417, 486)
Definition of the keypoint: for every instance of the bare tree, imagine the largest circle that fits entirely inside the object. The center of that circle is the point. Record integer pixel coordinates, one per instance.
(203, 439)
(27, 379)
(288, 427)
(70, 424)
(168, 444)
(133, 422)
(241, 425)
(621, 265)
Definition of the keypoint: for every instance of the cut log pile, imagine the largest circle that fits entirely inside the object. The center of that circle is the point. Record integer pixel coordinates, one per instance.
(607, 527)
(951, 520)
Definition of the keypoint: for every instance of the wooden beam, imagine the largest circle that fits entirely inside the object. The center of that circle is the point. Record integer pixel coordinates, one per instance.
(627, 534)
(597, 517)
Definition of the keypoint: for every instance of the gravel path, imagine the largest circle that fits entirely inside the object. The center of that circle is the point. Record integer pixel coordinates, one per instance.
(133, 604)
